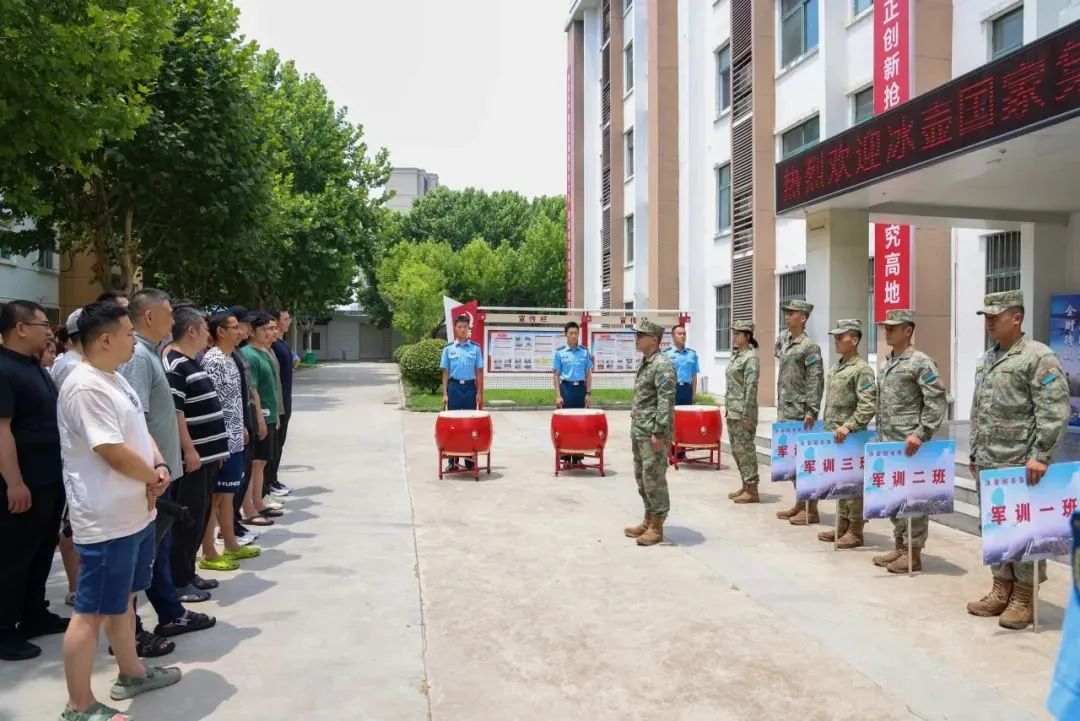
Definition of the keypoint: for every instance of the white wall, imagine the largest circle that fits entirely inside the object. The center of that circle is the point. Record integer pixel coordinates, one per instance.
(21, 279)
(637, 191)
(591, 151)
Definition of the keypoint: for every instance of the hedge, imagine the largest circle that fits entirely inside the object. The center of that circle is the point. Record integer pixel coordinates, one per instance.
(401, 350)
(420, 364)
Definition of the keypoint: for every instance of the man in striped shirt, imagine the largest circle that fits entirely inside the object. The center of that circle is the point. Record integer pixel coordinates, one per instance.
(204, 441)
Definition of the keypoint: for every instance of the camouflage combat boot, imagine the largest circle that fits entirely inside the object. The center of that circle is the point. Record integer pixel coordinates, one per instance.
(635, 531)
(830, 535)
(791, 512)
(735, 494)
(853, 538)
(886, 558)
(1020, 612)
(654, 533)
(993, 603)
(900, 565)
(807, 514)
(749, 494)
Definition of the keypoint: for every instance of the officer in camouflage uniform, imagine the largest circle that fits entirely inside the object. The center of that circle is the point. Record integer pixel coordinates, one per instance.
(850, 404)
(911, 406)
(740, 402)
(1019, 414)
(651, 426)
(799, 381)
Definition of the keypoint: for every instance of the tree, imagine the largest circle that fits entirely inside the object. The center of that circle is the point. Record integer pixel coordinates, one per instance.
(416, 300)
(73, 75)
(458, 216)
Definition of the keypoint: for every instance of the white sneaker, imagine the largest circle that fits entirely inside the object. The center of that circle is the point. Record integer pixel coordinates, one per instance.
(280, 490)
(269, 502)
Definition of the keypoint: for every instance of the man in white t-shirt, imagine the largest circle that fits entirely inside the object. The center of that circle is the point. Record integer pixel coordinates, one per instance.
(113, 473)
(73, 357)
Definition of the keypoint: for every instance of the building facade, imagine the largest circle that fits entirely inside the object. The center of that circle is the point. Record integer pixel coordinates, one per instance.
(758, 84)
(35, 277)
(409, 184)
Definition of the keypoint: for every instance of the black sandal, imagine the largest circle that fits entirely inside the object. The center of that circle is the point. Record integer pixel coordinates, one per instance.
(150, 645)
(204, 584)
(271, 513)
(190, 622)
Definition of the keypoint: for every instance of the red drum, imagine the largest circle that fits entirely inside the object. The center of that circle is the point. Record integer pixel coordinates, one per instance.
(579, 432)
(697, 428)
(463, 434)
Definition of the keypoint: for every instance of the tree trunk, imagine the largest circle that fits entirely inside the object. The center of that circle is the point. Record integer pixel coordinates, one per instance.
(102, 234)
(130, 273)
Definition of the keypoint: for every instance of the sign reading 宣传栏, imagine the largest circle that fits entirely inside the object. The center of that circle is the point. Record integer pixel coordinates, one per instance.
(896, 485)
(784, 449)
(1065, 341)
(827, 470)
(1027, 523)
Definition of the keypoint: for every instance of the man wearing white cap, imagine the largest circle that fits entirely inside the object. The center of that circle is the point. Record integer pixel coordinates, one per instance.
(68, 361)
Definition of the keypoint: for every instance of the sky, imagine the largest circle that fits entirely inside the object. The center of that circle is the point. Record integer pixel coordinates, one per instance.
(472, 90)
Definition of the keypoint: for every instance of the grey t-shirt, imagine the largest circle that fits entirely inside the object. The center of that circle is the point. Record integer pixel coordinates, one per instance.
(145, 372)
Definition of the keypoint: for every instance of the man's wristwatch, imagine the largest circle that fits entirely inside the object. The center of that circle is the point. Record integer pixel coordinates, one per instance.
(161, 465)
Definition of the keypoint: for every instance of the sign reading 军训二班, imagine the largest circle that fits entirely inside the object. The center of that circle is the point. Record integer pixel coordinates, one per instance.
(896, 485)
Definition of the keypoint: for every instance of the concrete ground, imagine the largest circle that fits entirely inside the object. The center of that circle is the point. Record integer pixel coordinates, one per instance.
(388, 595)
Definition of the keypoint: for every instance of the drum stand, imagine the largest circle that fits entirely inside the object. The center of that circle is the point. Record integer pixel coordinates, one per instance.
(597, 453)
(713, 459)
(474, 457)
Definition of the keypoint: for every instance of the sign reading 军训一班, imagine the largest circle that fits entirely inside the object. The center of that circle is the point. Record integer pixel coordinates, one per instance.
(1027, 523)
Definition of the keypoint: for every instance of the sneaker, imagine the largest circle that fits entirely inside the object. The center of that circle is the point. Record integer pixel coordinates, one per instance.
(45, 624)
(242, 530)
(273, 505)
(221, 563)
(280, 489)
(247, 540)
(13, 647)
(156, 677)
(242, 553)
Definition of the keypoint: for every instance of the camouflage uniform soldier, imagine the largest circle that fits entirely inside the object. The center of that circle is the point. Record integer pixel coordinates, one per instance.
(850, 404)
(650, 432)
(911, 406)
(1019, 414)
(799, 381)
(740, 401)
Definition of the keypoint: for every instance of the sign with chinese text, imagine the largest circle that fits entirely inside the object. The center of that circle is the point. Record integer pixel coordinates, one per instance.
(829, 471)
(1033, 87)
(784, 448)
(522, 351)
(615, 351)
(570, 186)
(1027, 523)
(896, 485)
(892, 269)
(1065, 341)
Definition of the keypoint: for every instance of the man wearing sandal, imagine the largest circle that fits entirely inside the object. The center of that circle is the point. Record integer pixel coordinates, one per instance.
(113, 475)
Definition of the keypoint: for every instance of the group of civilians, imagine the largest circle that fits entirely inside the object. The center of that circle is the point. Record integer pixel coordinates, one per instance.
(144, 437)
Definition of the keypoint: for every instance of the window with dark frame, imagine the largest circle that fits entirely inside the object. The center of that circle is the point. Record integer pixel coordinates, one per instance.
(628, 66)
(629, 157)
(628, 240)
(859, 6)
(627, 4)
(1002, 264)
(799, 138)
(862, 105)
(316, 340)
(798, 29)
(723, 79)
(723, 318)
(46, 259)
(792, 286)
(723, 198)
(1007, 33)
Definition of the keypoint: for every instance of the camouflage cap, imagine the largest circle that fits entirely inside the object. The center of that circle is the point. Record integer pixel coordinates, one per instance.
(998, 303)
(649, 328)
(802, 305)
(899, 317)
(847, 326)
(746, 326)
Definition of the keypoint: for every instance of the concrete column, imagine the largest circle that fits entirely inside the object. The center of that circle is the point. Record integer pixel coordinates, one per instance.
(1044, 271)
(575, 158)
(663, 154)
(836, 262)
(932, 296)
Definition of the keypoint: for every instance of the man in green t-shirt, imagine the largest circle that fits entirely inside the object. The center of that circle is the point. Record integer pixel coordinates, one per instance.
(257, 353)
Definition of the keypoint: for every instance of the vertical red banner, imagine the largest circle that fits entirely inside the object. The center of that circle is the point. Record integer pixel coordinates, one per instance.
(892, 86)
(569, 186)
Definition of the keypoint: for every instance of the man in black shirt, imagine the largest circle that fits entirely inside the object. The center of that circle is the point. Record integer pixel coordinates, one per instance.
(31, 481)
(286, 361)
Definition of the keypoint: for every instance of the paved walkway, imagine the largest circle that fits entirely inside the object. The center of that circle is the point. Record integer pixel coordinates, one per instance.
(388, 595)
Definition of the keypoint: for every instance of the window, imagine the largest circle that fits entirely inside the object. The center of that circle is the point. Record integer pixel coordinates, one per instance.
(862, 106)
(629, 158)
(316, 340)
(628, 239)
(859, 6)
(723, 79)
(792, 287)
(629, 305)
(723, 317)
(628, 66)
(1002, 264)
(46, 260)
(627, 4)
(5, 255)
(799, 138)
(52, 315)
(798, 29)
(1007, 33)
(723, 198)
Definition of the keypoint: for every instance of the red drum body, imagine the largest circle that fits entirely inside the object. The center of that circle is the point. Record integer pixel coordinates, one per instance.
(579, 429)
(463, 432)
(697, 425)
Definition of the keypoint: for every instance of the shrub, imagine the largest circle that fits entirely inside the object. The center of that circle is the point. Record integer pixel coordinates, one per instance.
(420, 364)
(400, 352)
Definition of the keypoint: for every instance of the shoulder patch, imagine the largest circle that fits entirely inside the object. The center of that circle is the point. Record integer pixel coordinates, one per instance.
(811, 361)
(866, 385)
(1047, 376)
(928, 377)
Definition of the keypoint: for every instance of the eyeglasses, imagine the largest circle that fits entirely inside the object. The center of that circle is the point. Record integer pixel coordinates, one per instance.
(39, 325)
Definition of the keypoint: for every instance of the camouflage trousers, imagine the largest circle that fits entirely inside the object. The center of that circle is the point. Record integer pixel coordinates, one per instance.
(650, 472)
(744, 450)
(920, 528)
(851, 509)
(1021, 572)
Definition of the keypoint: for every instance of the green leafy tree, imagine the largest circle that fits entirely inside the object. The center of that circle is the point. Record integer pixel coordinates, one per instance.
(459, 216)
(74, 74)
(416, 300)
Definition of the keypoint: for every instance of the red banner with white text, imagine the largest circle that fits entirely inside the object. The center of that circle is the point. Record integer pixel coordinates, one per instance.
(892, 86)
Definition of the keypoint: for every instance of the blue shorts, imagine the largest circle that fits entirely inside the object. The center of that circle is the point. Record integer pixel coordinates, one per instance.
(231, 474)
(111, 571)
